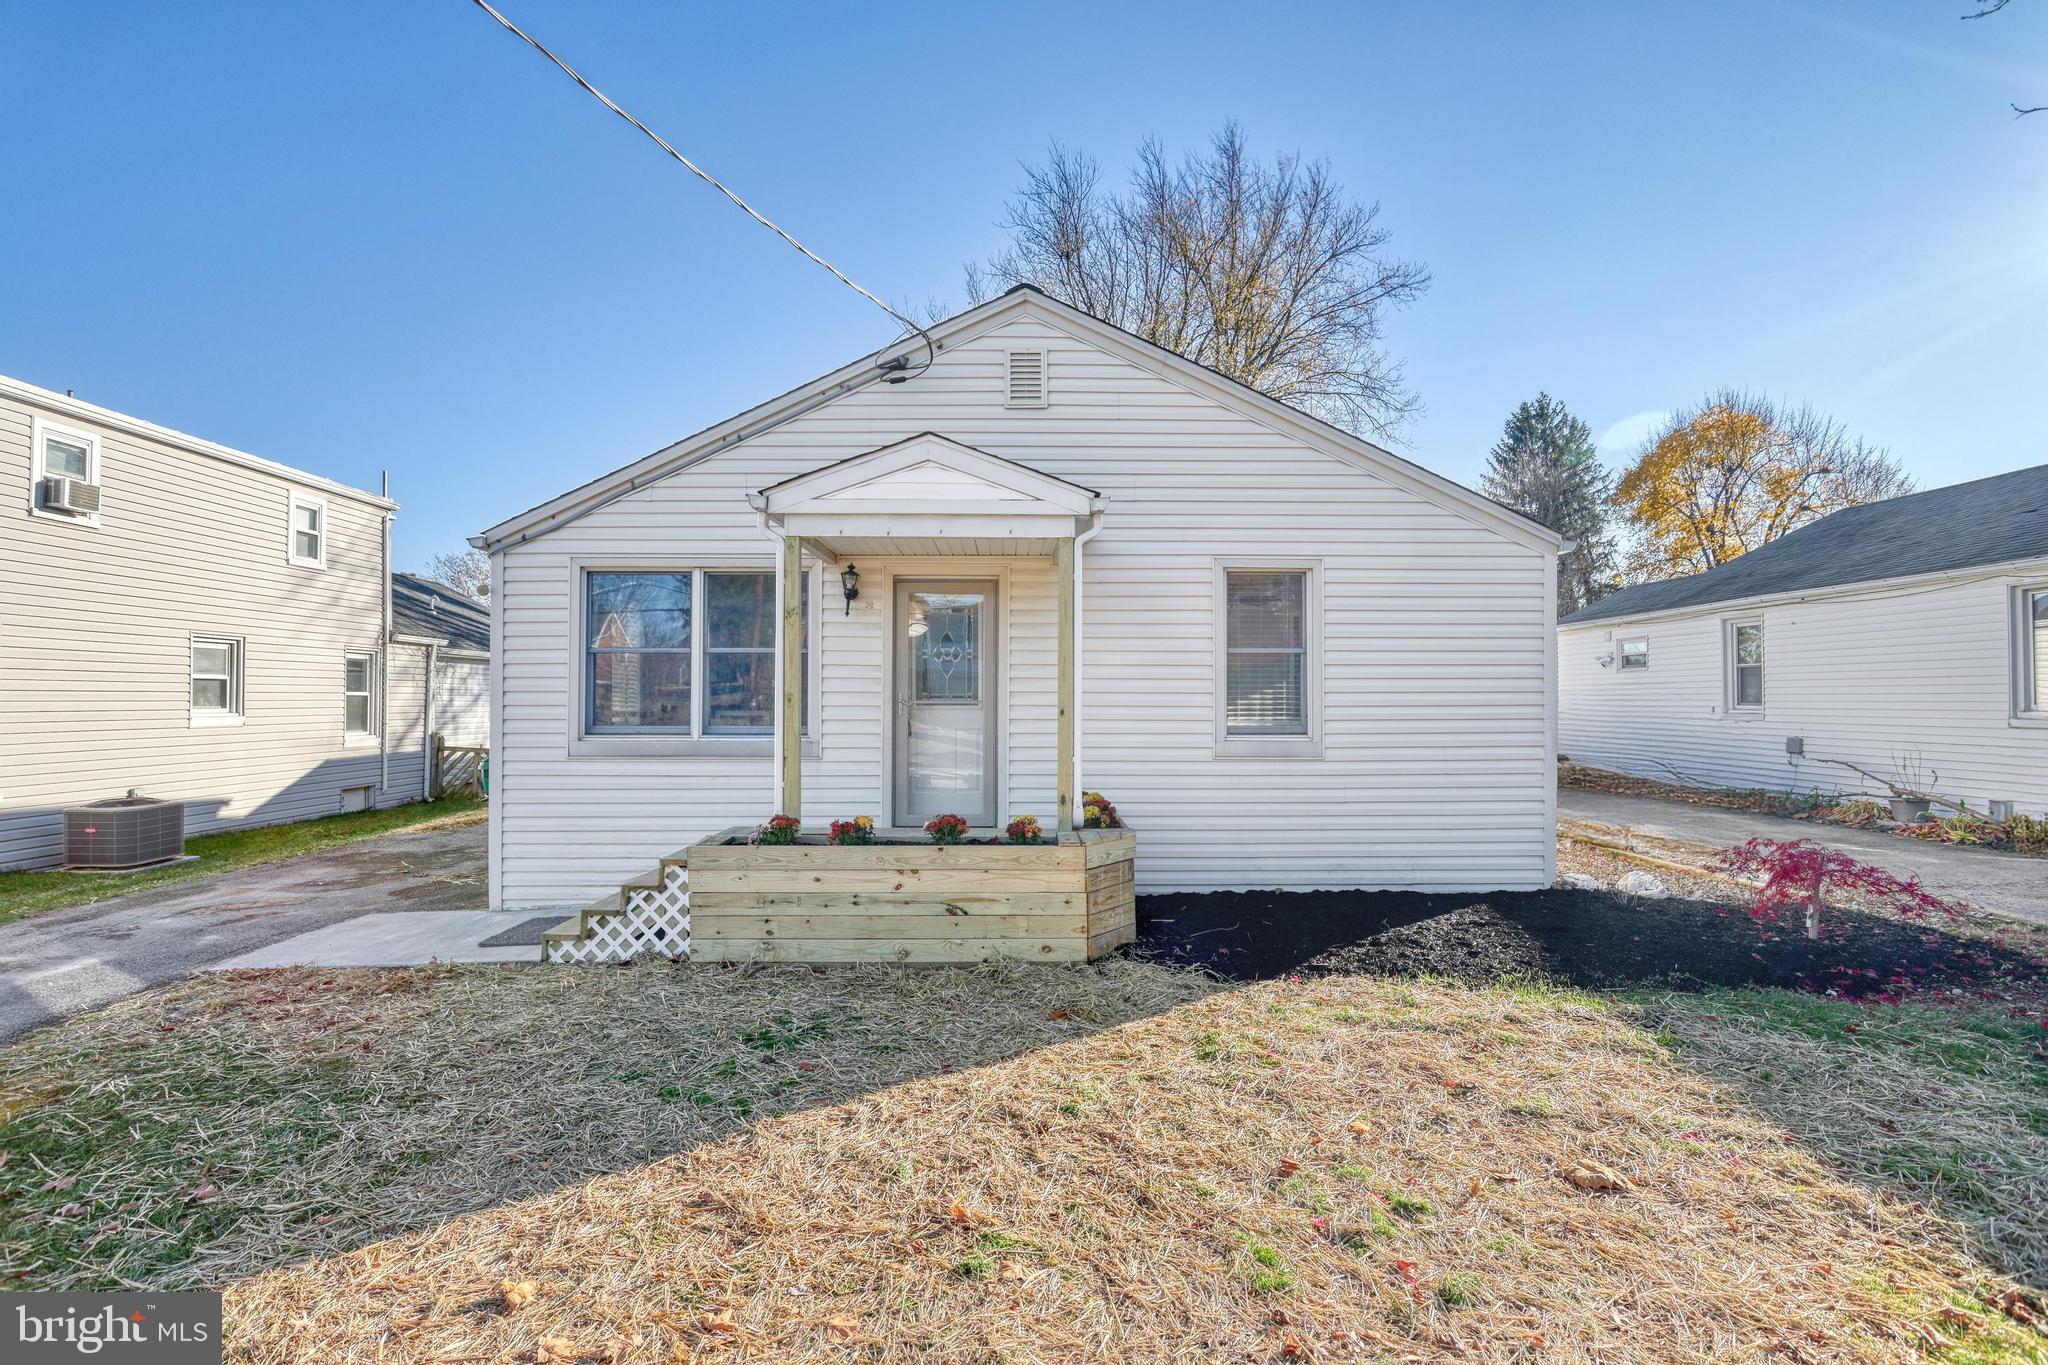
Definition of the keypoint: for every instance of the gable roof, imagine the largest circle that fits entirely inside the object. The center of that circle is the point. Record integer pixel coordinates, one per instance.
(927, 448)
(1964, 526)
(426, 606)
(1022, 299)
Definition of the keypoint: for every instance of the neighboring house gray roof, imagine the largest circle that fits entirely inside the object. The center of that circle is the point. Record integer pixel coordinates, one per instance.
(423, 606)
(1963, 526)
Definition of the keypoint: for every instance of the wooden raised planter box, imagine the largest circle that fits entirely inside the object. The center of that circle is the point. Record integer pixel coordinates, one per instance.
(902, 902)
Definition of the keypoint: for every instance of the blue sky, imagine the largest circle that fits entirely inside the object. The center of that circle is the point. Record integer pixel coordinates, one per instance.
(387, 235)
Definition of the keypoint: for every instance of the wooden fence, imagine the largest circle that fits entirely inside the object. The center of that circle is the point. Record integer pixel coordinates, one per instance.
(458, 767)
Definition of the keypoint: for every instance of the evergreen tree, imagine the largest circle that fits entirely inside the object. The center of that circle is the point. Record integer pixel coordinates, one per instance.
(1544, 467)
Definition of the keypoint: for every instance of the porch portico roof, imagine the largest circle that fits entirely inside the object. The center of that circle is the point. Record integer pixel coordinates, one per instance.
(928, 494)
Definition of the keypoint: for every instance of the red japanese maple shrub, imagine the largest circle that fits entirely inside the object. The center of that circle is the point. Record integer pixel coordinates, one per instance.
(1800, 874)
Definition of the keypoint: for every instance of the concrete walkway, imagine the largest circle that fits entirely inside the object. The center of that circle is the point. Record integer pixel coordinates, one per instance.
(2009, 884)
(64, 962)
(405, 938)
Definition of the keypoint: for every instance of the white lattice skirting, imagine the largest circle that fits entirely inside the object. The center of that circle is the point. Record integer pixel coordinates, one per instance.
(654, 922)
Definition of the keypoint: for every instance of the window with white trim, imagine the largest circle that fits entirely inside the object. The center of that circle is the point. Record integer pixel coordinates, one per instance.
(62, 452)
(216, 682)
(1635, 654)
(1267, 670)
(307, 544)
(688, 653)
(359, 696)
(1746, 665)
(2032, 643)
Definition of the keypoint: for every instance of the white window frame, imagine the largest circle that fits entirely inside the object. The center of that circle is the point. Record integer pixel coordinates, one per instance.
(674, 742)
(40, 428)
(1309, 744)
(1621, 663)
(371, 659)
(1735, 707)
(234, 711)
(2025, 675)
(292, 556)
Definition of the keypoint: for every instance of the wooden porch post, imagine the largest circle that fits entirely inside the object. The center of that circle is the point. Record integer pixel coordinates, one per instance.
(789, 672)
(1064, 556)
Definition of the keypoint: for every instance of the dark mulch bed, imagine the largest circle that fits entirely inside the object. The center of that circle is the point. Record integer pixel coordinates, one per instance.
(1593, 939)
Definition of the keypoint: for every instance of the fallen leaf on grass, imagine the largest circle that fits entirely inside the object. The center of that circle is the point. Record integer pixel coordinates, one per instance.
(843, 1330)
(1591, 1175)
(1358, 1126)
(513, 1293)
(723, 1322)
(556, 1351)
(959, 1214)
(1288, 1166)
(1058, 1014)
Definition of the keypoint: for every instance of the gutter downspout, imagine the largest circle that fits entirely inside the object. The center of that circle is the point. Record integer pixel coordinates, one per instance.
(781, 536)
(1081, 641)
(384, 658)
(427, 736)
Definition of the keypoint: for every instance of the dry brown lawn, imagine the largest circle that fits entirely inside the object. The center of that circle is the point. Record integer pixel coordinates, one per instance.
(1024, 1164)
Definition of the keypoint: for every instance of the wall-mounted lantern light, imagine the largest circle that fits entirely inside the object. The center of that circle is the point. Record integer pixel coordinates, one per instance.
(849, 583)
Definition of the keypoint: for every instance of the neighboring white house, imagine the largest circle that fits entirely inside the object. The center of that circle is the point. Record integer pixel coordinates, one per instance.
(1302, 661)
(453, 635)
(1908, 638)
(191, 621)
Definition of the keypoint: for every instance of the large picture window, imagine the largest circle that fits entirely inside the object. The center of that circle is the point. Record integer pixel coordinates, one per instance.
(1268, 647)
(686, 652)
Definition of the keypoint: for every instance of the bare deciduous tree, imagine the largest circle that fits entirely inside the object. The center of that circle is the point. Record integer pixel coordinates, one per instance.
(467, 570)
(1266, 273)
(1985, 9)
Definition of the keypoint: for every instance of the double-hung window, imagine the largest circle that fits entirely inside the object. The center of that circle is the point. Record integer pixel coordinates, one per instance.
(2032, 645)
(359, 696)
(70, 454)
(307, 546)
(685, 653)
(216, 680)
(1268, 656)
(1746, 665)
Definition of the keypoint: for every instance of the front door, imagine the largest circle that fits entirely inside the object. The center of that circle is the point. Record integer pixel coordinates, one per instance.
(946, 672)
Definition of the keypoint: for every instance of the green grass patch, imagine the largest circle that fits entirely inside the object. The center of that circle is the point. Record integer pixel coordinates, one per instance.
(31, 893)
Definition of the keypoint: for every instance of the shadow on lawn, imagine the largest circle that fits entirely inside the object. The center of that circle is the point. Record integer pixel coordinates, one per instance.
(1595, 940)
(236, 1123)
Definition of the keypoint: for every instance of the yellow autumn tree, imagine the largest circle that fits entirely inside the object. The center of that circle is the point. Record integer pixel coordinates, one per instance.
(1736, 472)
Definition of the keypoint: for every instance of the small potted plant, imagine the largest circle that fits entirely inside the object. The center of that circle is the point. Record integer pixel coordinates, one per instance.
(1911, 810)
(946, 829)
(1025, 830)
(859, 830)
(1096, 812)
(780, 829)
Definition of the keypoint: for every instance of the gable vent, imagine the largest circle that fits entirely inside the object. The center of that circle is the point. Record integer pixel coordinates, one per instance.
(1026, 380)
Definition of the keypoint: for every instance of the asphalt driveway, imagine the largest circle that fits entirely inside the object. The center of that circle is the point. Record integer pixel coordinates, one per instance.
(2009, 884)
(67, 961)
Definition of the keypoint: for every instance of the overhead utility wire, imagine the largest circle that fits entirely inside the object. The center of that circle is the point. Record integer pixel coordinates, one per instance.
(931, 350)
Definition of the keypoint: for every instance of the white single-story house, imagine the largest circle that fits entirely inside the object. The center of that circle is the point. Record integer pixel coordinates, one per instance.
(193, 622)
(1040, 556)
(452, 633)
(1903, 642)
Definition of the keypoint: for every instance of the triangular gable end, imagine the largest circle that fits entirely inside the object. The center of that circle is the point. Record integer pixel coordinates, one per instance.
(927, 472)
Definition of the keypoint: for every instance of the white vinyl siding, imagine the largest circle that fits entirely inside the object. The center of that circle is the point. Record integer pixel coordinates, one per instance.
(99, 633)
(1434, 763)
(1917, 679)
